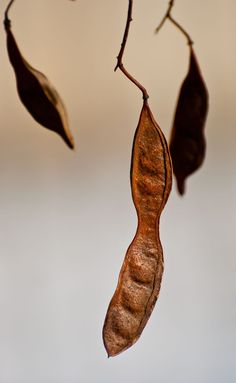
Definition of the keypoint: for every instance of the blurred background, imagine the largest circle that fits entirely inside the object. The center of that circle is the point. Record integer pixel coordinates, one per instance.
(67, 218)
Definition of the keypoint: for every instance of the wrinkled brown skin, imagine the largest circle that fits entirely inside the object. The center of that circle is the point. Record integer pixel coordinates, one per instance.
(141, 273)
(187, 143)
(37, 94)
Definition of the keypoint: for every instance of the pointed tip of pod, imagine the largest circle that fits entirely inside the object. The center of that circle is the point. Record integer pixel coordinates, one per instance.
(110, 347)
(181, 185)
(113, 345)
(114, 342)
(72, 147)
(70, 142)
(113, 351)
(110, 354)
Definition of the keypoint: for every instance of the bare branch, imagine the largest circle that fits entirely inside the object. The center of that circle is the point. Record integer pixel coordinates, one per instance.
(171, 4)
(120, 64)
(173, 21)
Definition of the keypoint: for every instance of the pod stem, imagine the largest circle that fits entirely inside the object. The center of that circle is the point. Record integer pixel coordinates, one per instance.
(174, 22)
(120, 64)
(7, 21)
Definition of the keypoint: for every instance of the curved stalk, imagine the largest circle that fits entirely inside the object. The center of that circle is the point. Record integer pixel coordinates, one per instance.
(174, 22)
(171, 4)
(120, 64)
(7, 21)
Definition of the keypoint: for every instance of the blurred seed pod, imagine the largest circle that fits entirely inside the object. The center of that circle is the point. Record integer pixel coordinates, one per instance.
(187, 142)
(36, 92)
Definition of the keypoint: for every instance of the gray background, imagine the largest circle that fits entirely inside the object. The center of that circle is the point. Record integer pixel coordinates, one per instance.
(67, 218)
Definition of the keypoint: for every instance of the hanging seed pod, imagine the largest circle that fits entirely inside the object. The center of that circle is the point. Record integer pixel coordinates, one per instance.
(36, 93)
(140, 276)
(187, 143)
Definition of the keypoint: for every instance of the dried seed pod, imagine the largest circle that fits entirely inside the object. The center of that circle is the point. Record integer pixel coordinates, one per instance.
(140, 276)
(37, 94)
(187, 143)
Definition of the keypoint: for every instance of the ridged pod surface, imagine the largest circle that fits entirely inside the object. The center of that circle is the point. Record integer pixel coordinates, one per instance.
(37, 94)
(187, 142)
(141, 273)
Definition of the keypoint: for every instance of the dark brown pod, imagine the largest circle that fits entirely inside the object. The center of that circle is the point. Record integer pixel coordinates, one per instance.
(141, 273)
(187, 143)
(36, 92)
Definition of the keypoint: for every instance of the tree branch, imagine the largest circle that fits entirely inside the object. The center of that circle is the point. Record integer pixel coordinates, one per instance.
(173, 21)
(120, 64)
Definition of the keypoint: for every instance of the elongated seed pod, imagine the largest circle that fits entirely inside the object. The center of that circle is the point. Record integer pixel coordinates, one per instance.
(141, 273)
(37, 94)
(187, 142)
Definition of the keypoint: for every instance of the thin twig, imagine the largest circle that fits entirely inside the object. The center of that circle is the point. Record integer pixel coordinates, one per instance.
(185, 33)
(173, 21)
(120, 64)
(171, 4)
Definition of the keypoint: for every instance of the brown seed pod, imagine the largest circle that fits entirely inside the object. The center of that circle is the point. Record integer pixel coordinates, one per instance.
(141, 273)
(36, 93)
(187, 143)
